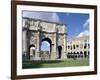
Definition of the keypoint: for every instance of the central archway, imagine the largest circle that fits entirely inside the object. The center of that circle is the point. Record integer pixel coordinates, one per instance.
(46, 46)
(48, 40)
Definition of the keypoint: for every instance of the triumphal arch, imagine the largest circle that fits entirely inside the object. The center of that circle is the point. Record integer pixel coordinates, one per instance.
(36, 31)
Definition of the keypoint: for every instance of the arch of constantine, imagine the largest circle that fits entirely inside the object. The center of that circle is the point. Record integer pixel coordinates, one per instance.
(35, 32)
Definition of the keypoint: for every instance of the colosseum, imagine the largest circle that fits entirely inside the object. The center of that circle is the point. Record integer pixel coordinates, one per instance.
(78, 48)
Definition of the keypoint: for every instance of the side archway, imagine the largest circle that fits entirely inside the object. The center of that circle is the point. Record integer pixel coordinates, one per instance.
(32, 51)
(59, 51)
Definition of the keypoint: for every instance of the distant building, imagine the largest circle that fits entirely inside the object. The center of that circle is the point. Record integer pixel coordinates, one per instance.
(78, 47)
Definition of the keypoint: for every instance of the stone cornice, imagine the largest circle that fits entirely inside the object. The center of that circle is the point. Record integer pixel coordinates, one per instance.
(43, 21)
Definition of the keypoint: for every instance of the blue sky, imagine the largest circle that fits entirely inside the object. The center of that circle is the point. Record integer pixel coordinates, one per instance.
(45, 46)
(77, 24)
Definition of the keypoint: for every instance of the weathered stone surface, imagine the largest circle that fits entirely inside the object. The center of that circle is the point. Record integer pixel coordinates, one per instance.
(35, 31)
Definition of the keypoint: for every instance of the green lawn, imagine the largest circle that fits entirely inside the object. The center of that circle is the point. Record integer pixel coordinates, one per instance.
(55, 63)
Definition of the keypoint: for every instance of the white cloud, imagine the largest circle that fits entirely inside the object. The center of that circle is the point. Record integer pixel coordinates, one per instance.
(84, 33)
(86, 24)
(48, 16)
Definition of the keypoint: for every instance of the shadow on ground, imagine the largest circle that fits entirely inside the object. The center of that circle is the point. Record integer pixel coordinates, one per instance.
(39, 64)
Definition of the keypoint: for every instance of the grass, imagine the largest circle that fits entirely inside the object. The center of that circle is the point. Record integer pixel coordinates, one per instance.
(55, 63)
